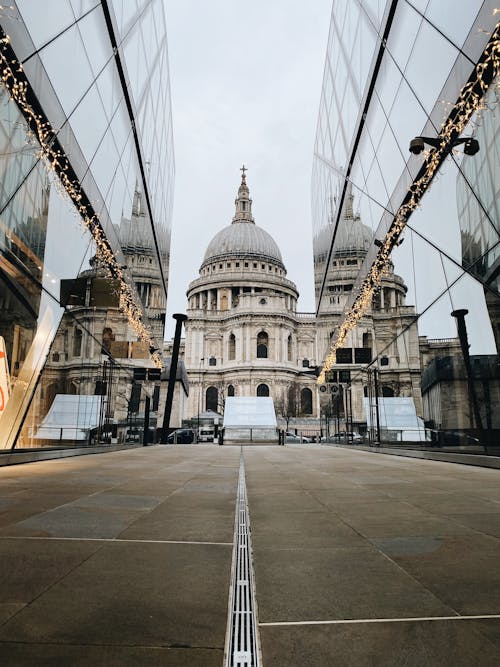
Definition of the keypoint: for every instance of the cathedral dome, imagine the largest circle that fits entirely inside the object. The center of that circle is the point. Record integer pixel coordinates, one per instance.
(243, 238)
(352, 237)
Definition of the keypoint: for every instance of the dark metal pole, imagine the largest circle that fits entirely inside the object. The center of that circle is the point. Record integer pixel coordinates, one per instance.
(346, 413)
(199, 400)
(109, 393)
(350, 407)
(102, 401)
(179, 318)
(337, 413)
(375, 372)
(147, 408)
(370, 404)
(459, 315)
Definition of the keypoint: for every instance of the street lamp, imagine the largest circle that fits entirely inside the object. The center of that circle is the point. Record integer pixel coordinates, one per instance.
(471, 146)
(179, 318)
(459, 315)
(199, 398)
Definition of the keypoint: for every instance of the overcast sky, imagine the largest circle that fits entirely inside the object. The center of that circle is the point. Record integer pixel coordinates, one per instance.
(246, 83)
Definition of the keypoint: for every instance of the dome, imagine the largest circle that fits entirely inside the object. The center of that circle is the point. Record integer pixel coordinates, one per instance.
(243, 238)
(352, 236)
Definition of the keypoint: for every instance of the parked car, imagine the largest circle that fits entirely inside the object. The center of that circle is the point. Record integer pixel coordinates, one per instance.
(293, 437)
(181, 436)
(136, 434)
(344, 437)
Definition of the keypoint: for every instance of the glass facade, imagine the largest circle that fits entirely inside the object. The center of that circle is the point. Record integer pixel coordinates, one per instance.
(395, 71)
(86, 189)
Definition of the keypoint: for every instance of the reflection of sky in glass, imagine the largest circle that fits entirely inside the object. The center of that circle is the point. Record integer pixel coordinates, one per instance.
(87, 85)
(414, 71)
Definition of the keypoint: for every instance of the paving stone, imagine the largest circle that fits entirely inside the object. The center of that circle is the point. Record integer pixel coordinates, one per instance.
(462, 571)
(326, 584)
(73, 521)
(409, 644)
(29, 567)
(301, 529)
(134, 594)
(49, 655)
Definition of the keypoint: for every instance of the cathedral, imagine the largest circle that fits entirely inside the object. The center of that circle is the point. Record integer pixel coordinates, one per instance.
(245, 336)
(96, 352)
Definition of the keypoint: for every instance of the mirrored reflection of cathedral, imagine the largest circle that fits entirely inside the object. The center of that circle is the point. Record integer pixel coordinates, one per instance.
(245, 337)
(96, 350)
(388, 331)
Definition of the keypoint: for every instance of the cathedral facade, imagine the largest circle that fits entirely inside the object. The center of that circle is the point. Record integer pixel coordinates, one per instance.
(245, 337)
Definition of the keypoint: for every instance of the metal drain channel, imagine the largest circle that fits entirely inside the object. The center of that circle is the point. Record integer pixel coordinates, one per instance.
(242, 640)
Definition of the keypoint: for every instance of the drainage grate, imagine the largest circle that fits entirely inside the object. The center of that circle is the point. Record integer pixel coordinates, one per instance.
(242, 643)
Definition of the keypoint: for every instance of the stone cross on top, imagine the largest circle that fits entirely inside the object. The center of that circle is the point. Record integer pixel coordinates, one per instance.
(243, 169)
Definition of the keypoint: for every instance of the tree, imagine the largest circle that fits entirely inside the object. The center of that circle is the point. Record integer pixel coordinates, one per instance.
(291, 404)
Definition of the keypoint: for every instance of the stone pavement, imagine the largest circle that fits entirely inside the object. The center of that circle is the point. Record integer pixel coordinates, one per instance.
(360, 559)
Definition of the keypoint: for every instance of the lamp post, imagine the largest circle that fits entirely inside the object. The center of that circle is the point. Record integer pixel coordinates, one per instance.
(199, 398)
(373, 406)
(179, 319)
(377, 412)
(459, 315)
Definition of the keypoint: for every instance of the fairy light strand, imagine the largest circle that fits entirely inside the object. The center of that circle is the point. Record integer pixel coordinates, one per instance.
(56, 161)
(470, 101)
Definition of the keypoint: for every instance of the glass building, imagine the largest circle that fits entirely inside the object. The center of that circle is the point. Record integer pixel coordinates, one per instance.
(87, 174)
(397, 71)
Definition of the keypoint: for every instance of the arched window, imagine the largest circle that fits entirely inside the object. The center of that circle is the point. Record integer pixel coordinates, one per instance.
(212, 361)
(305, 363)
(212, 398)
(289, 348)
(230, 390)
(77, 342)
(232, 348)
(388, 392)
(107, 338)
(223, 302)
(306, 401)
(387, 297)
(262, 390)
(262, 343)
(367, 340)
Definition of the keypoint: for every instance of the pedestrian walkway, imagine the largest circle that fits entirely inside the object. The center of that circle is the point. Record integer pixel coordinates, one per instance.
(359, 558)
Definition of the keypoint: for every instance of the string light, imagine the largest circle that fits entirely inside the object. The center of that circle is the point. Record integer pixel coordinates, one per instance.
(56, 161)
(470, 101)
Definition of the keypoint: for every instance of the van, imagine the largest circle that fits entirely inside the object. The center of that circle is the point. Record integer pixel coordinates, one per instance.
(206, 434)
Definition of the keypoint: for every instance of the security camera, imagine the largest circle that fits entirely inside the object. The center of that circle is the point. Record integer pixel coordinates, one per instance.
(417, 145)
(471, 146)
